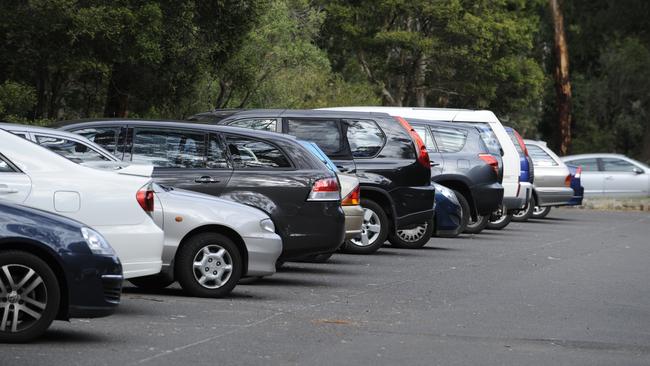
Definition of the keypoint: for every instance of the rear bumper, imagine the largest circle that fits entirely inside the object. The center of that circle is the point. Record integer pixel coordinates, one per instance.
(139, 247)
(263, 253)
(523, 197)
(413, 205)
(556, 196)
(353, 221)
(487, 197)
(94, 285)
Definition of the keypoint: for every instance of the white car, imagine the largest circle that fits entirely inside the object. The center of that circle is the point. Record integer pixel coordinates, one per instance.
(233, 239)
(611, 174)
(516, 195)
(118, 205)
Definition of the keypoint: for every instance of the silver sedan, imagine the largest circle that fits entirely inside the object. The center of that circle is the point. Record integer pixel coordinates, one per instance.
(611, 175)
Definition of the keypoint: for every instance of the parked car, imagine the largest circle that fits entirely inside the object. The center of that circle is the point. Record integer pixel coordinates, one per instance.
(527, 173)
(611, 175)
(448, 218)
(576, 185)
(52, 268)
(388, 157)
(461, 161)
(552, 179)
(269, 171)
(117, 204)
(245, 233)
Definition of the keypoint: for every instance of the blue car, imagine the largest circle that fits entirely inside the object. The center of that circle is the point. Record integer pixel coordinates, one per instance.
(576, 185)
(448, 213)
(526, 172)
(52, 267)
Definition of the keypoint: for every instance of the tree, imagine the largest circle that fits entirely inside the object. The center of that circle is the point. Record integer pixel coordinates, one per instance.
(561, 76)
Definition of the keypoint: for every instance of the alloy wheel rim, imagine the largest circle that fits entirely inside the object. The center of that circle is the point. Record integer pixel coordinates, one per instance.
(538, 210)
(23, 298)
(414, 234)
(370, 229)
(472, 223)
(501, 216)
(213, 266)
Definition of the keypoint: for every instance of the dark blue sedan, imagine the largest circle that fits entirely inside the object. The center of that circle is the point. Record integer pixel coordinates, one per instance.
(448, 213)
(52, 267)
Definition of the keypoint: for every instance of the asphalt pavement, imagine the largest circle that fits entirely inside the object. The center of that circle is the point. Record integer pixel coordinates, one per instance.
(573, 289)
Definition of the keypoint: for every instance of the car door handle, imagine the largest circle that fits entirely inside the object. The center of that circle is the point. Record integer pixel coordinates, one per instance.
(206, 179)
(8, 191)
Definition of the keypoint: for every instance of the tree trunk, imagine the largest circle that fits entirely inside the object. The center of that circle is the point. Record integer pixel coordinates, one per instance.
(562, 81)
(117, 97)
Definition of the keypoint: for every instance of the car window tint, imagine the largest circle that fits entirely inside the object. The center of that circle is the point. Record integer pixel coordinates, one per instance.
(249, 153)
(20, 134)
(449, 140)
(540, 157)
(365, 137)
(264, 124)
(425, 136)
(168, 148)
(515, 141)
(216, 154)
(490, 140)
(70, 149)
(587, 165)
(105, 137)
(5, 167)
(617, 165)
(324, 133)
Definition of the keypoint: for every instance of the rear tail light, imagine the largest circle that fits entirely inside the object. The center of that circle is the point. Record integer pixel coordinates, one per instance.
(326, 189)
(567, 180)
(145, 198)
(578, 172)
(491, 161)
(353, 198)
(423, 155)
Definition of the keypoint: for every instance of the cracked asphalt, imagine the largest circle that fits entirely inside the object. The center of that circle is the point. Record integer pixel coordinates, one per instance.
(570, 290)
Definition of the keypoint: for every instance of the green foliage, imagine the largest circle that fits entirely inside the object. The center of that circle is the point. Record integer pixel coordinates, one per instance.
(15, 98)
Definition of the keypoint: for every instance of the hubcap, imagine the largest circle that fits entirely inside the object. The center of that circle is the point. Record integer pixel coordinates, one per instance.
(23, 298)
(414, 234)
(212, 266)
(369, 230)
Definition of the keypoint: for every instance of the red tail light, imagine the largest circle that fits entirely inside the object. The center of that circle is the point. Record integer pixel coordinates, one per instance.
(145, 198)
(521, 143)
(326, 189)
(491, 161)
(578, 172)
(423, 155)
(567, 180)
(352, 199)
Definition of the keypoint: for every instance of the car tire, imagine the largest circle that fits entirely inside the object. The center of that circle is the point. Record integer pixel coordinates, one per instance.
(372, 237)
(47, 294)
(155, 282)
(465, 211)
(412, 238)
(524, 215)
(317, 258)
(218, 272)
(499, 221)
(541, 212)
(478, 225)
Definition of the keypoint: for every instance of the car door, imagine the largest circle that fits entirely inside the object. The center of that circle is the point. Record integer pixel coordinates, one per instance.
(15, 185)
(592, 178)
(437, 161)
(182, 158)
(623, 178)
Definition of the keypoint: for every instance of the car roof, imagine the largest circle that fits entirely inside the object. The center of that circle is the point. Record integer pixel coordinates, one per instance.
(441, 114)
(308, 113)
(467, 126)
(594, 155)
(36, 129)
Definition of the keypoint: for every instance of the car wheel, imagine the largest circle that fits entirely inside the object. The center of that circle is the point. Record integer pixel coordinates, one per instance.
(155, 282)
(412, 237)
(465, 211)
(208, 265)
(29, 296)
(476, 226)
(541, 212)
(499, 220)
(373, 231)
(524, 215)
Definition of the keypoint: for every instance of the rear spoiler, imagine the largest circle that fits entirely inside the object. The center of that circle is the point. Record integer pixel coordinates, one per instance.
(122, 167)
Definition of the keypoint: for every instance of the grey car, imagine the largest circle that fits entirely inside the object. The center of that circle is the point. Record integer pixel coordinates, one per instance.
(611, 175)
(552, 185)
(209, 242)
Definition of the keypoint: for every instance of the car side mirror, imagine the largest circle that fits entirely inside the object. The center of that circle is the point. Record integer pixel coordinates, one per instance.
(638, 170)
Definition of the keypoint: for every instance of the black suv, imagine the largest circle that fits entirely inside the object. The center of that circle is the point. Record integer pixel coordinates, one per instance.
(388, 157)
(462, 161)
(270, 171)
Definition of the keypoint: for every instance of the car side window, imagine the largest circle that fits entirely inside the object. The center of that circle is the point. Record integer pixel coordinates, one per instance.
(587, 165)
(617, 165)
(264, 124)
(250, 153)
(365, 137)
(426, 137)
(540, 157)
(449, 140)
(20, 134)
(5, 167)
(217, 158)
(70, 149)
(324, 133)
(168, 148)
(106, 137)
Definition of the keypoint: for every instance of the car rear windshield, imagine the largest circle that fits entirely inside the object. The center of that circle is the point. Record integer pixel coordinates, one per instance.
(490, 139)
(540, 157)
(515, 141)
